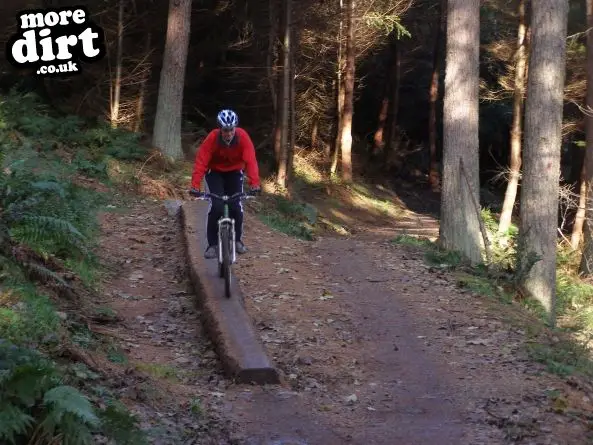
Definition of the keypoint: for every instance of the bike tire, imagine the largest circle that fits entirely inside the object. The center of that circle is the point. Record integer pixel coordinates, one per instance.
(226, 261)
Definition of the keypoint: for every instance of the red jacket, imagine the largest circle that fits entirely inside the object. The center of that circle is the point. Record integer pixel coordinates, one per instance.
(215, 155)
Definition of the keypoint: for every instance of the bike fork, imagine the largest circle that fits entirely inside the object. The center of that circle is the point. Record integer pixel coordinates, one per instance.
(233, 244)
(221, 223)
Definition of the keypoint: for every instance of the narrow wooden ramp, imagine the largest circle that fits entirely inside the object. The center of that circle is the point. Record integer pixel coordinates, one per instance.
(225, 319)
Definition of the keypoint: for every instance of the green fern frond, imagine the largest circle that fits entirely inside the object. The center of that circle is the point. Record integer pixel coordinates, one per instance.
(74, 432)
(56, 225)
(46, 274)
(50, 186)
(121, 426)
(15, 210)
(63, 400)
(14, 422)
(48, 234)
(27, 383)
(24, 374)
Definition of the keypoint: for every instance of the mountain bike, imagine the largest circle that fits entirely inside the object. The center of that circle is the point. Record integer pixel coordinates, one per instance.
(227, 254)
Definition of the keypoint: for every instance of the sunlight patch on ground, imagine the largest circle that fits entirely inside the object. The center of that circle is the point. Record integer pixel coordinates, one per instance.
(338, 214)
(376, 205)
(304, 168)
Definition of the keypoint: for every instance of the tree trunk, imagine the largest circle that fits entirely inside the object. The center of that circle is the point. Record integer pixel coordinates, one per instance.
(346, 130)
(270, 59)
(394, 102)
(292, 91)
(142, 93)
(516, 128)
(278, 119)
(379, 138)
(433, 174)
(586, 267)
(314, 132)
(340, 113)
(281, 178)
(543, 138)
(278, 98)
(459, 228)
(118, 63)
(167, 126)
(340, 94)
(579, 220)
(381, 134)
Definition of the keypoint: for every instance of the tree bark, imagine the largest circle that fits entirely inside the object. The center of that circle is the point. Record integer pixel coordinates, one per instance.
(118, 66)
(292, 91)
(385, 111)
(142, 93)
(516, 128)
(278, 119)
(273, 81)
(314, 132)
(394, 102)
(579, 219)
(459, 228)
(433, 173)
(543, 138)
(167, 126)
(381, 132)
(347, 114)
(379, 138)
(340, 94)
(586, 267)
(282, 175)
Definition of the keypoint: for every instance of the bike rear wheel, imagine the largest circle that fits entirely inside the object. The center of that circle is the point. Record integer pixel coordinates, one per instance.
(226, 260)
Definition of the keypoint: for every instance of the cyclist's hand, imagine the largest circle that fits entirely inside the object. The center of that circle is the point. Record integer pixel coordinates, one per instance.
(255, 191)
(197, 193)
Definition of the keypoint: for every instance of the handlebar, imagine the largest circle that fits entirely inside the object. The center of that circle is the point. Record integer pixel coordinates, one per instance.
(234, 197)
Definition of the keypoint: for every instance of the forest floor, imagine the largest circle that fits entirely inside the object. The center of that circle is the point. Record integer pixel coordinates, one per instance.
(375, 346)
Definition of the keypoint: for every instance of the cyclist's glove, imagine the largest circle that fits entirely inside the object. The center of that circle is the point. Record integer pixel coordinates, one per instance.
(197, 193)
(255, 191)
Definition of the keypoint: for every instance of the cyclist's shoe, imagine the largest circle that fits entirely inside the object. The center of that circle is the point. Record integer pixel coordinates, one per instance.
(240, 247)
(211, 252)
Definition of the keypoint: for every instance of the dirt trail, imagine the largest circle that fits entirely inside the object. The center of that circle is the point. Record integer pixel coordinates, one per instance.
(375, 347)
(165, 369)
(386, 350)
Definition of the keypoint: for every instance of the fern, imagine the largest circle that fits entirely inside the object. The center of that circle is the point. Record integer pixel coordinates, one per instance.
(51, 186)
(64, 400)
(24, 376)
(34, 322)
(70, 415)
(14, 422)
(49, 225)
(29, 389)
(121, 426)
(27, 384)
(45, 274)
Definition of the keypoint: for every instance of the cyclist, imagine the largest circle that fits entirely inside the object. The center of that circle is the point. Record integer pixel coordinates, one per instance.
(221, 158)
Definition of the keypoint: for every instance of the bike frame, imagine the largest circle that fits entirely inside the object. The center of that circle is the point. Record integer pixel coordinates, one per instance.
(226, 220)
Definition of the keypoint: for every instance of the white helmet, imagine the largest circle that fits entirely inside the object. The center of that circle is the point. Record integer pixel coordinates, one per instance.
(227, 119)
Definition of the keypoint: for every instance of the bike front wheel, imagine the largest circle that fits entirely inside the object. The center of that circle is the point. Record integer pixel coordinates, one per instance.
(226, 261)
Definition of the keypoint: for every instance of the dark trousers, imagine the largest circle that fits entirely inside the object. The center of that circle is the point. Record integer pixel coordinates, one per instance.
(224, 183)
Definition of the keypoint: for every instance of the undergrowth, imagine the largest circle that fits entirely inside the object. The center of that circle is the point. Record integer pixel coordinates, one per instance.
(293, 218)
(48, 232)
(296, 212)
(569, 352)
